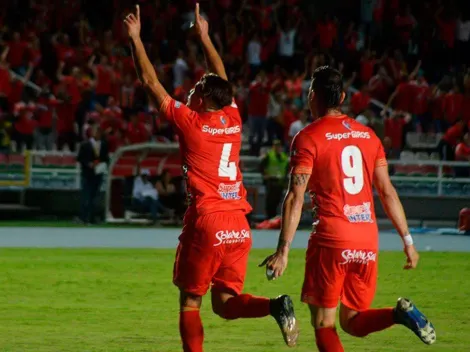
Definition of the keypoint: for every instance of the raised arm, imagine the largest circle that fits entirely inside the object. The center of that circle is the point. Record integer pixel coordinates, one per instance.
(213, 59)
(145, 70)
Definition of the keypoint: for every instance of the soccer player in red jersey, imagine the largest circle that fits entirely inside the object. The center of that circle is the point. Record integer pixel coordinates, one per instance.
(339, 160)
(216, 237)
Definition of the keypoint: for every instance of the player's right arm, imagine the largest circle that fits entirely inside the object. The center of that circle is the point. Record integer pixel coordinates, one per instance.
(394, 209)
(145, 70)
(213, 59)
(302, 158)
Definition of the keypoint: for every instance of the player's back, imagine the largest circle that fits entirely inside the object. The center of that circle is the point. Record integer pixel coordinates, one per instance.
(345, 154)
(210, 146)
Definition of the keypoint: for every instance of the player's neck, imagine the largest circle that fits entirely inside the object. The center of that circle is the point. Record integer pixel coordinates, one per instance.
(333, 113)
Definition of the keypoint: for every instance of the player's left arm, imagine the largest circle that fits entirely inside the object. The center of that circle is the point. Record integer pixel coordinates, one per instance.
(213, 59)
(145, 70)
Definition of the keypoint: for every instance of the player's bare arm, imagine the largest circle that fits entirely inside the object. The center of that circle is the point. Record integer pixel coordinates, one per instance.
(394, 210)
(145, 70)
(291, 213)
(213, 59)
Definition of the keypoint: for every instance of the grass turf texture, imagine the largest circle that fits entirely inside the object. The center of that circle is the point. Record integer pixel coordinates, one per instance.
(123, 300)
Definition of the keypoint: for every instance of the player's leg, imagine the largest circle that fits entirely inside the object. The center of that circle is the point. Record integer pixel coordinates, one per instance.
(190, 324)
(321, 290)
(228, 301)
(195, 264)
(323, 321)
(357, 319)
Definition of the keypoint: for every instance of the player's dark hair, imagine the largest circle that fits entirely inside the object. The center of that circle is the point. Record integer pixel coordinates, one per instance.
(327, 84)
(217, 89)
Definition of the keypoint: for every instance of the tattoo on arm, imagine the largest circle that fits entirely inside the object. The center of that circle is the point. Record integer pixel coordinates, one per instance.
(283, 244)
(299, 179)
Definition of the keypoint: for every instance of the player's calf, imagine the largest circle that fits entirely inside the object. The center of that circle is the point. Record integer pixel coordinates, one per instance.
(190, 324)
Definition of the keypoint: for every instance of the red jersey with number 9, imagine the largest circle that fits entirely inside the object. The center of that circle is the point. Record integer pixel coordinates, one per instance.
(210, 145)
(341, 155)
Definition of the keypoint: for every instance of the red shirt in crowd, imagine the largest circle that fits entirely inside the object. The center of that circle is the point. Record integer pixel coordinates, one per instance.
(259, 99)
(359, 102)
(466, 108)
(137, 133)
(16, 53)
(420, 95)
(394, 130)
(73, 89)
(367, 69)
(447, 31)
(326, 32)
(16, 92)
(104, 80)
(5, 85)
(44, 112)
(25, 124)
(403, 98)
(65, 118)
(453, 106)
(462, 152)
(404, 25)
(453, 134)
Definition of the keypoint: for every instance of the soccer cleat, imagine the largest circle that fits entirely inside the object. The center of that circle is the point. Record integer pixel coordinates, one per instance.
(408, 315)
(282, 309)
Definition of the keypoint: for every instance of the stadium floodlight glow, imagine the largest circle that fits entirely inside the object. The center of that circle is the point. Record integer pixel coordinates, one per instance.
(166, 149)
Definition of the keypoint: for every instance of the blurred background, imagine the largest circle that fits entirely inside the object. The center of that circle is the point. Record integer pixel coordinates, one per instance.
(67, 80)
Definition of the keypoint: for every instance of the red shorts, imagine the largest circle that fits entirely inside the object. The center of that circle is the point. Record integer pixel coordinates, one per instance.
(213, 249)
(333, 274)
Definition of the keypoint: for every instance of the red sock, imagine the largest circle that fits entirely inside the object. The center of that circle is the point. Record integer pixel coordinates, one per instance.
(191, 331)
(370, 321)
(328, 340)
(246, 306)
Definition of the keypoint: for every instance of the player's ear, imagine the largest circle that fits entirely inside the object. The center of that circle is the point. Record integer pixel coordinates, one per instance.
(343, 96)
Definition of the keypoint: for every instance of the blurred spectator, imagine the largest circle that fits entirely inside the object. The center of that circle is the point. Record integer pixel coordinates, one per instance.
(168, 195)
(360, 101)
(274, 167)
(5, 132)
(462, 153)
(275, 128)
(395, 130)
(136, 131)
(298, 125)
(258, 110)
(450, 140)
(145, 196)
(93, 157)
(25, 126)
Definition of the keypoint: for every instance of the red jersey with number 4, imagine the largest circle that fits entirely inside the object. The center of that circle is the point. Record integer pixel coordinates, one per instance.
(210, 145)
(340, 154)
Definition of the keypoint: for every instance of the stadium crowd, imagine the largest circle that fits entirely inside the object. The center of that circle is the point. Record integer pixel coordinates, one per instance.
(65, 67)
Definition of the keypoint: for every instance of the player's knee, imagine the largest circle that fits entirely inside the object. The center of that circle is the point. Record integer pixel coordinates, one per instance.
(324, 322)
(221, 307)
(189, 300)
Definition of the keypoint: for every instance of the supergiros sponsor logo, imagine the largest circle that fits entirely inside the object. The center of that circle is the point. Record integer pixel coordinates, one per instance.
(353, 134)
(218, 131)
(230, 237)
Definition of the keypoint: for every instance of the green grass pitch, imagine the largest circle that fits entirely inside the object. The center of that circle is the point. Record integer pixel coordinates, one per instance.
(55, 300)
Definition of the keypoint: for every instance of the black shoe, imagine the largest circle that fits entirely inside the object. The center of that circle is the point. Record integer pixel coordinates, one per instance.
(282, 309)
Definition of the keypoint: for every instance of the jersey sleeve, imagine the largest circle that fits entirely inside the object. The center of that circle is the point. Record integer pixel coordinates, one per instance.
(380, 159)
(302, 154)
(177, 113)
(232, 110)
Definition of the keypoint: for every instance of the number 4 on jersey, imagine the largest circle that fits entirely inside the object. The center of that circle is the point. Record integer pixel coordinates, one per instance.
(351, 163)
(227, 168)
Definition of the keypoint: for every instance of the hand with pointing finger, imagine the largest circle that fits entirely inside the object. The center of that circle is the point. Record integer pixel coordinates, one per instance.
(201, 25)
(132, 22)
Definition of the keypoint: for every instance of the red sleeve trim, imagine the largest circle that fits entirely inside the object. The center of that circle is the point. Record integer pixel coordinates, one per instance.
(381, 162)
(301, 170)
